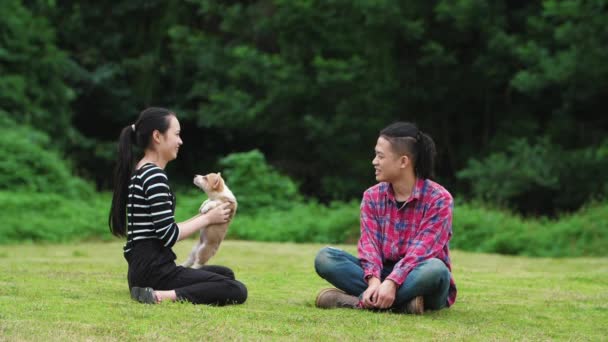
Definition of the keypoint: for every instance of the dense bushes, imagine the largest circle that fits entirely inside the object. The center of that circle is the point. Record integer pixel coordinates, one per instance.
(45, 217)
(40, 197)
(303, 222)
(279, 214)
(48, 204)
(33, 86)
(540, 178)
(52, 218)
(29, 164)
(309, 83)
(272, 209)
(258, 185)
(478, 229)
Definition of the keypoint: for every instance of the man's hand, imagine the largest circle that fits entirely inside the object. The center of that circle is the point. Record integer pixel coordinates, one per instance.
(386, 294)
(371, 294)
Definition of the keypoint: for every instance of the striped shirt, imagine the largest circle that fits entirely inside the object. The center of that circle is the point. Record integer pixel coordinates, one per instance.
(150, 208)
(417, 231)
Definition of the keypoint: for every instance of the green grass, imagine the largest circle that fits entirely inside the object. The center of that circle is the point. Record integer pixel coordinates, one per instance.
(79, 292)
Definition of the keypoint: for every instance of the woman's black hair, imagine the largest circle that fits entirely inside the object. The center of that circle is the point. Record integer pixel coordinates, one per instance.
(138, 134)
(406, 138)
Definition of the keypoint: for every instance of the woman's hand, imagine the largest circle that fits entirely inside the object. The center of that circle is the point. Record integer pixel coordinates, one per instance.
(219, 214)
(370, 295)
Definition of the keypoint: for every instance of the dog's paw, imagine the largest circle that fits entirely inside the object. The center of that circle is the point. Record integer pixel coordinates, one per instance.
(206, 206)
(186, 264)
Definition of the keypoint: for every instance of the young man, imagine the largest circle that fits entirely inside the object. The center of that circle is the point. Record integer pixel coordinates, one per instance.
(406, 225)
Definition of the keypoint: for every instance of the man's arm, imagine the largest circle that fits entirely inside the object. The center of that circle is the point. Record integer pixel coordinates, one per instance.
(369, 248)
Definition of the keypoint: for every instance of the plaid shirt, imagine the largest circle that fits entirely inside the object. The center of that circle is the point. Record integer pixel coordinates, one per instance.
(420, 230)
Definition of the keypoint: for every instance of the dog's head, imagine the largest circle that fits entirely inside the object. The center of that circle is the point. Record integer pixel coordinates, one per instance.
(210, 183)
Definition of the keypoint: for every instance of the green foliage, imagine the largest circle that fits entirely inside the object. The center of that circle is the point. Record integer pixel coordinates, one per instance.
(503, 177)
(566, 50)
(303, 222)
(478, 229)
(32, 87)
(582, 176)
(46, 217)
(541, 178)
(310, 83)
(257, 185)
(43, 217)
(28, 163)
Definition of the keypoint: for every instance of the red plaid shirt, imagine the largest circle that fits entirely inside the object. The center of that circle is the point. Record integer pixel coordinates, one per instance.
(420, 230)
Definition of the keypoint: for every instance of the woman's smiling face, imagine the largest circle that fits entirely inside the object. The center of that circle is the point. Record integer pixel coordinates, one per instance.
(171, 140)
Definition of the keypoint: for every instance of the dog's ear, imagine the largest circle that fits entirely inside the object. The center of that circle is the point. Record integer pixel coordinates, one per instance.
(217, 182)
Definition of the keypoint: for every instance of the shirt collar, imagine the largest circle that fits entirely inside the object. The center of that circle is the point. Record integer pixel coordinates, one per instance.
(415, 195)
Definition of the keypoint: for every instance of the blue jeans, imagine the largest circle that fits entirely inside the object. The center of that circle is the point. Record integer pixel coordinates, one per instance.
(430, 279)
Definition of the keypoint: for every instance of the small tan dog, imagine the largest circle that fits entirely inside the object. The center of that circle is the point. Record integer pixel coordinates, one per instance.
(212, 235)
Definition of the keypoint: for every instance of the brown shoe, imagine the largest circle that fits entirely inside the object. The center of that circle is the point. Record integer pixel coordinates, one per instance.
(415, 306)
(334, 298)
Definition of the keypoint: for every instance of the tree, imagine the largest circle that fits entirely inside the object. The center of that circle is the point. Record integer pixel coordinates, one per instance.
(32, 87)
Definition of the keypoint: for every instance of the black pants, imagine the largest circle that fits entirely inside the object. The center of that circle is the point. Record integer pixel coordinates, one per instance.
(152, 265)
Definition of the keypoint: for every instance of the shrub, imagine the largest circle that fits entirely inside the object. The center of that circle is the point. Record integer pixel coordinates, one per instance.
(582, 176)
(256, 184)
(303, 222)
(539, 179)
(480, 229)
(584, 233)
(44, 217)
(28, 163)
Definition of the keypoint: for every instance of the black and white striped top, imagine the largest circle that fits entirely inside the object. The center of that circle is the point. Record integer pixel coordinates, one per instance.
(150, 208)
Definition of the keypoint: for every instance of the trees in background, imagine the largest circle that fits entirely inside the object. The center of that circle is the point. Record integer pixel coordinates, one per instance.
(34, 89)
(310, 84)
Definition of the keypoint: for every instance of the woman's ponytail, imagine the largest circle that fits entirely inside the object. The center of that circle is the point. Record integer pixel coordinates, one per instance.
(139, 134)
(122, 173)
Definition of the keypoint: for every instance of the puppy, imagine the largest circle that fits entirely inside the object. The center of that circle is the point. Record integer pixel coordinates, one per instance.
(212, 235)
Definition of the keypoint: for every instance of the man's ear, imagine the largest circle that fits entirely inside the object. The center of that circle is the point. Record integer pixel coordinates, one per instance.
(404, 161)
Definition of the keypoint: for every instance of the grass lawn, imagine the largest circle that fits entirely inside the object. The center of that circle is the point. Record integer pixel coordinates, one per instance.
(79, 292)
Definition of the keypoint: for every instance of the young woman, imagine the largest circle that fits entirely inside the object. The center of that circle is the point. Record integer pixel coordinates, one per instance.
(406, 225)
(143, 208)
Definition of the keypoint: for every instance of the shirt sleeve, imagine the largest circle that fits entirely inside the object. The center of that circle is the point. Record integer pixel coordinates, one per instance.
(369, 244)
(433, 234)
(158, 193)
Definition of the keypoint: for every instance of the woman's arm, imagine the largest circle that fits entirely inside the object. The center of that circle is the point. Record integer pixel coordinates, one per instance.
(219, 214)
